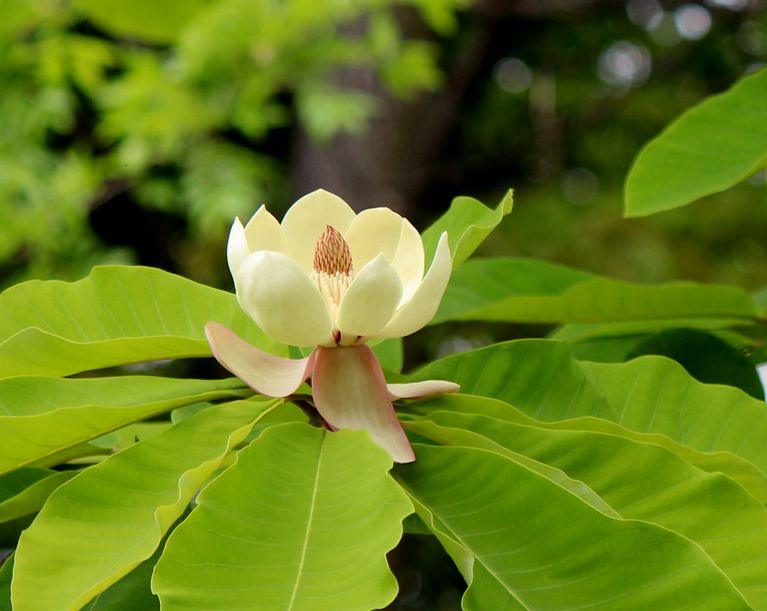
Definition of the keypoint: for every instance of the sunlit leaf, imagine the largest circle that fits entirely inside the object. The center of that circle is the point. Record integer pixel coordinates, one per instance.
(301, 521)
(113, 515)
(6, 572)
(131, 593)
(467, 436)
(41, 417)
(641, 481)
(705, 357)
(708, 149)
(520, 290)
(142, 19)
(614, 341)
(593, 561)
(31, 498)
(656, 395)
(116, 315)
(716, 428)
(467, 222)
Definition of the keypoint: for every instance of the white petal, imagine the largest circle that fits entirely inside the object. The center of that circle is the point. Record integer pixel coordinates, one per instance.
(263, 232)
(270, 375)
(306, 220)
(417, 312)
(373, 232)
(282, 300)
(409, 259)
(349, 391)
(369, 302)
(414, 390)
(236, 247)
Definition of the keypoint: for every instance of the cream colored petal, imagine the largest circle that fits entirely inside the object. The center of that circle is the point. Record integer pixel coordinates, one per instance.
(270, 375)
(282, 300)
(369, 302)
(306, 220)
(409, 260)
(415, 390)
(236, 248)
(373, 232)
(263, 232)
(417, 312)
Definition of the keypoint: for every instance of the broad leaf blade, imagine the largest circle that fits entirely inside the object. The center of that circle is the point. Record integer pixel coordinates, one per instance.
(6, 572)
(142, 19)
(705, 357)
(131, 593)
(745, 473)
(656, 395)
(518, 290)
(717, 428)
(550, 550)
(302, 520)
(467, 222)
(455, 434)
(117, 315)
(31, 499)
(649, 394)
(708, 149)
(42, 417)
(645, 482)
(113, 515)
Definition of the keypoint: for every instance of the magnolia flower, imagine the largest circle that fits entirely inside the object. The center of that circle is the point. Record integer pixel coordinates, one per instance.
(331, 279)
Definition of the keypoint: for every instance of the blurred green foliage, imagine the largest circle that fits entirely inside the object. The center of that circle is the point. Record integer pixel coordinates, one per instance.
(169, 103)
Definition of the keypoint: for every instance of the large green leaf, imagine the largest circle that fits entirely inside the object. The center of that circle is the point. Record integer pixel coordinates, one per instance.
(716, 428)
(469, 437)
(6, 572)
(301, 521)
(745, 473)
(100, 525)
(656, 395)
(467, 222)
(41, 417)
(708, 149)
(641, 481)
(31, 498)
(649, 394)
(16, 482)
(117, 315)
(131, 593)
(705, 357)
(520, 290)
(142, 19)
(548, 549)
(616, 341)
(540, 377)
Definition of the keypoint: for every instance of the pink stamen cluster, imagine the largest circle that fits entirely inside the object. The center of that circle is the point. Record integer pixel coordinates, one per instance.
(331, 254)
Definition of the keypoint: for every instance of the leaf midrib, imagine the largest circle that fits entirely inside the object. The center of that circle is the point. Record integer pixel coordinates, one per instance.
(307, 533)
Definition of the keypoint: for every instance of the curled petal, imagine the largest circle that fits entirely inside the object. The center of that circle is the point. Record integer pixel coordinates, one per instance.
(370, 300)
(350, 392)
(374, 231)
(236, 248)
(307, 219)
(263, 232)
(409, 259)
(415, 390)
(417, 312)
(283, 300)
(270, 375)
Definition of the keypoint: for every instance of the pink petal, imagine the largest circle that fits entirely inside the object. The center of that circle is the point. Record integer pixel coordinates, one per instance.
(265, 373)
(350, 392)
(414, 390)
